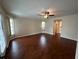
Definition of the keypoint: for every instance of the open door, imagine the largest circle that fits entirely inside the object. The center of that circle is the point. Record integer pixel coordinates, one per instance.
(57, 26)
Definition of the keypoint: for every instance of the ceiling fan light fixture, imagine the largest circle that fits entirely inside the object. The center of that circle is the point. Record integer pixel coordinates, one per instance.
(46, 16)
(47, 13)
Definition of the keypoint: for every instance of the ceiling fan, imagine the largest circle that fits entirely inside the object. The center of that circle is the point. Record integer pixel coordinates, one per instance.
(47, 13)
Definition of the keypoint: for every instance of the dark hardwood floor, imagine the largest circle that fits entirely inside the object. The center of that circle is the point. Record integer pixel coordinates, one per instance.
(41, 46)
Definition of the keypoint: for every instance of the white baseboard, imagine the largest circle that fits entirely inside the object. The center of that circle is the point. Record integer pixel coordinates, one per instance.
(75, 39)
(17, 36)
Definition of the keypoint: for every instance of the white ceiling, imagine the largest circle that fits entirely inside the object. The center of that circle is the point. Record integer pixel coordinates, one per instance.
(26, 8)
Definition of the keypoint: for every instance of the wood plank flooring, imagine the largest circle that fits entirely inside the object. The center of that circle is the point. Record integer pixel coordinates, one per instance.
(41, 46)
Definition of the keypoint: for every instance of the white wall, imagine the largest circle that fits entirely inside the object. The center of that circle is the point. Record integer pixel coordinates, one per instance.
(70, 26)
(26, 26)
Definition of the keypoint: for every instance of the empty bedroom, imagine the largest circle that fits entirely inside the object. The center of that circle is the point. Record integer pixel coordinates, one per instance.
(38, 29)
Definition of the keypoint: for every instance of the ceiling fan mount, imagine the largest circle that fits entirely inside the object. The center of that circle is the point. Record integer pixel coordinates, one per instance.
(47, 13)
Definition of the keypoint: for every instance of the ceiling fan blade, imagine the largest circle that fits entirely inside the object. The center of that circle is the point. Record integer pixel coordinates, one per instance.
(49, 12)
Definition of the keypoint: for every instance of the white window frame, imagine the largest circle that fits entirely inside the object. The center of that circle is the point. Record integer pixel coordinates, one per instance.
(12, 26)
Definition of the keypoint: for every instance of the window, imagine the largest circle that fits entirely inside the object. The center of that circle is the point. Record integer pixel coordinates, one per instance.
(2, 37)
(12, 26)
(43, 25)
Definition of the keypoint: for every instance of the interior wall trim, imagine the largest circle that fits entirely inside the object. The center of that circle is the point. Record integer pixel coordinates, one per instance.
(25, 35)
